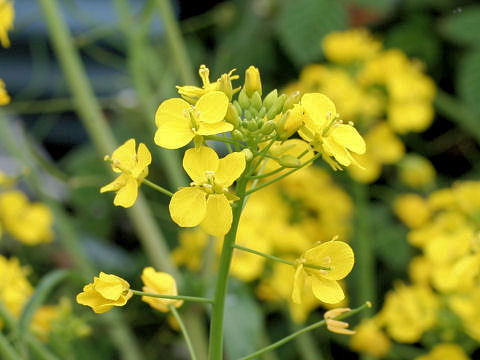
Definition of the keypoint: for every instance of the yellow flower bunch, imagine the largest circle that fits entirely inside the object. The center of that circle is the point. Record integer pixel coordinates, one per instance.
(7, 15)
(381, 91)
(15, 289)
(30, 223)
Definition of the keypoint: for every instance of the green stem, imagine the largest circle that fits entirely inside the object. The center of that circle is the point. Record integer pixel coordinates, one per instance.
(218, 308)
(157, 187)
(300, 332)
(174, 297)
(6, 349)
(270, 173)
(184, 331)
(452, 108)
(251, 191)
(275, 258)
(175, 40)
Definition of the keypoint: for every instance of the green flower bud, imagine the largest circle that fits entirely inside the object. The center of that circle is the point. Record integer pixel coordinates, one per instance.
(262, 111)
(259, 123)
(238, 107)
(268, 127)
(243, 99)
(252, 126)
(270, 98)
(248, 154)
(237, 135)
(232, 115)
(248, 115)
(256, 101)
(277, 106)
(244, 123)
(294, 98)
(289, 161)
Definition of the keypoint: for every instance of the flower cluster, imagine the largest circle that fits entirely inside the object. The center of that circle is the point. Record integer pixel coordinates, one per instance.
(382, 91)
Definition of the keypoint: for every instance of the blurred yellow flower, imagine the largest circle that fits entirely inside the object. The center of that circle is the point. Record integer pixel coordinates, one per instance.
(338, 257)
(349, 46)
(412, 209)
(178, 122)
(206, 201)
(191, 249)
(15, 289)
(134, 168)
(337, 326)
(159, 283)
(445, 351)
(30, 223)
(7, 14)
(106, 291)
(4, 97)
(370, 339)
(327, 134)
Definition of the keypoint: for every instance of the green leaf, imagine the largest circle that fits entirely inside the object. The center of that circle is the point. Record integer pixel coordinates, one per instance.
(462, 26)
(468, 80)
(243, 322)
(42, 290)
(301, 25)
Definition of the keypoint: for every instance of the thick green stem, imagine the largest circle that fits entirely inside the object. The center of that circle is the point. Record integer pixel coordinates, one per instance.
(175, 40)
(218, 308)
(300, 332)
(175, 297)
(184, 331)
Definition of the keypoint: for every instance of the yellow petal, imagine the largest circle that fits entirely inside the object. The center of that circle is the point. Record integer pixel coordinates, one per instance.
(337, 255)
(212, 107)
(349, 137)
(319, 108)
(213, 129)
(173, 132)
(115, 184)
(332, 148)
(328, 291)
(230, 168)
(127, 195)
(218, 219)
(188, 206)
(197, 162)
(174, 107)
(125, 155)
(144, 158)
(298, 284)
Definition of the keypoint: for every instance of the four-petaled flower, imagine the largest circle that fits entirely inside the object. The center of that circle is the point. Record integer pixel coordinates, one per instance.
(134, 168)
(106, 291)
(206, 201)
(178, 122)
(328, 135)
(159, 283)
(337, 259)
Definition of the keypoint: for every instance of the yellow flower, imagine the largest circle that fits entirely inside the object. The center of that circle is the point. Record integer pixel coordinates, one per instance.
(412, 209)
(106, 291)
(337, 326)
(192, 246)
(252, 81)
(15, 289)
(7, 14)
(445, 351)
(223, 84)
(206, 201)
(349, 46)
(134, 168)
(178, 122)
(159, 283)
(4, 97)
(327, 134)
(335, 255)
(30, 223)
(370, 339)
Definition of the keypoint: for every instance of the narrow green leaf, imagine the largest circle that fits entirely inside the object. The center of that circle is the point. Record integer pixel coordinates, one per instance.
(42, 290)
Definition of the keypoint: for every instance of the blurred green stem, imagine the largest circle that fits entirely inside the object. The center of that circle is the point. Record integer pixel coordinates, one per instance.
(176, 42)
(184, 331)
(455, 110)
(6, 349)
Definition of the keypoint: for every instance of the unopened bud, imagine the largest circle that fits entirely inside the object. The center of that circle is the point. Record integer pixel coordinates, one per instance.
(259, 123)
(243, 99)
(252, 126)
(252, 81)
(256, 100)
(289, 161)
(290, 122)
(293, 99)
(238, 107)
(248, 115)
(225, 85)
(237, 135)
(248, 154)
(270, 98)
(268, 127)
(262, 111)
(232, 115)
(277, 106)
